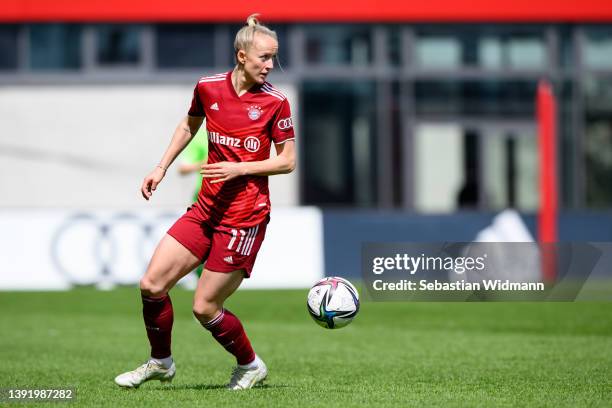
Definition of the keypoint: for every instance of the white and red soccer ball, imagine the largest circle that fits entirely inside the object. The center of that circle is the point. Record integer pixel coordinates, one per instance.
(333, 302)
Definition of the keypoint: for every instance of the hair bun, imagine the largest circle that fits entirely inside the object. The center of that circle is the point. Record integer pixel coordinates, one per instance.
(252, 20)
(245, 36)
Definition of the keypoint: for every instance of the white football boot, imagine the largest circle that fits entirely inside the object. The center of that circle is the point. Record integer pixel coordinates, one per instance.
(244, 378)
(150, 370)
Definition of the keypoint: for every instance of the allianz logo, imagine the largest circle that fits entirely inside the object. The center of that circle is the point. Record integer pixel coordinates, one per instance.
(215, 137)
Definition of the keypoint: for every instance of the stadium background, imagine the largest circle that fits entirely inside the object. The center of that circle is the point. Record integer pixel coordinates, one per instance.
(415, 122)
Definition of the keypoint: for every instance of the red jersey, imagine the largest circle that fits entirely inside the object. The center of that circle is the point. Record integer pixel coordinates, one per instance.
(239, 129)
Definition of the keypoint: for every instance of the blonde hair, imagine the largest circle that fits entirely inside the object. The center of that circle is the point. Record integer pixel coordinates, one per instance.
(244, 36)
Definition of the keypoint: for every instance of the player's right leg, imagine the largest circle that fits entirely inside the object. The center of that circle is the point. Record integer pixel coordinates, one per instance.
(170, 262)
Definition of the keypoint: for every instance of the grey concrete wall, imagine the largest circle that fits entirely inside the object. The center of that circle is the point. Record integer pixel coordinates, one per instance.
(91, 145)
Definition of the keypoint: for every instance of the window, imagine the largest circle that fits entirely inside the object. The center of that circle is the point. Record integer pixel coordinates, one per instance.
(568, 143)
(339, 158)
(510, 169)
(185, 46)
(282, 32)
(476, 98)
(438, 52)
(512, 51)
(338, 44)
(118, 44)
(478, 168)
(8, 47)
(394, 45)
(598, 48)
(482, 47)
(598, 142)
(567, 47)
(441, 183)
(55, 46)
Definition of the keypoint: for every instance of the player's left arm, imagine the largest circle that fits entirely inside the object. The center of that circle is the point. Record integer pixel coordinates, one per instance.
(282, 163)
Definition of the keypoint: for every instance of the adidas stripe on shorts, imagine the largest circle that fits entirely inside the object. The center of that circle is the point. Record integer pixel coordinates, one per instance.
(221, 249)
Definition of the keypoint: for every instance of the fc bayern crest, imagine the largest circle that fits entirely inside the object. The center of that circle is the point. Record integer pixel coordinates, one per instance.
(254, 112)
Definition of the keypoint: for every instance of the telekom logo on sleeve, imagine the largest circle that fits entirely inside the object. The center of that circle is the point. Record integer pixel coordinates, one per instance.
(285, 124)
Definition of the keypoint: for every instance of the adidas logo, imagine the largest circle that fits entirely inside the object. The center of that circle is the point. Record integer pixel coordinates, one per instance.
(229, 259)
(214, 106)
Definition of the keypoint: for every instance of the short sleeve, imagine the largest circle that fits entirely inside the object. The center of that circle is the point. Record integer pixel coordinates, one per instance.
(282, 125)
(196, 108)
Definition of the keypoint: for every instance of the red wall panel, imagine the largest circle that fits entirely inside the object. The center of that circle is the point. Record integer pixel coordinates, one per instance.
(312, 10)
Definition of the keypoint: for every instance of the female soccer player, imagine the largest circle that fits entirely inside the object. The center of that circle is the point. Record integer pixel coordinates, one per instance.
(225, 227)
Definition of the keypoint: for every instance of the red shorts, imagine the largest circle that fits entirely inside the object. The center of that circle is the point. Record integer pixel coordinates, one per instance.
(224, 249)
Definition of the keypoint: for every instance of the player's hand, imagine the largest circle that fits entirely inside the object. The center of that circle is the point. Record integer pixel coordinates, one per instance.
(222, 171)
(150, 182)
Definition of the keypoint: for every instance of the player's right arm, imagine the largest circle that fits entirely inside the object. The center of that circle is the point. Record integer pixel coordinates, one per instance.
(183, 134)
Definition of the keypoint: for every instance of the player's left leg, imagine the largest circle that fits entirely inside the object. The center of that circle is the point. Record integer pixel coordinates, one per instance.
(231, 257)
(213, 289)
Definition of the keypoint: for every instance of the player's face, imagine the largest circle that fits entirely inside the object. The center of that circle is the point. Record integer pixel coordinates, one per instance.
(259, 59)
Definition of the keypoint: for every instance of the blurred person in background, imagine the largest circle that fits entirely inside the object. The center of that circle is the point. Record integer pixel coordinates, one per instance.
(191, 161)
(193, 157)
(226, 226)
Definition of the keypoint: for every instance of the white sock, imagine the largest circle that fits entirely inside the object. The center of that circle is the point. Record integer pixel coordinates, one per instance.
(166, 362)
(252, 364)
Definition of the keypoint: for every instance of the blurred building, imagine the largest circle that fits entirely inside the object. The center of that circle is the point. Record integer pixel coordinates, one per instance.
(423, 107)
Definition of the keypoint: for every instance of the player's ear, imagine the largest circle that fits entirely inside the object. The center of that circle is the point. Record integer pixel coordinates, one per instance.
(241, 57)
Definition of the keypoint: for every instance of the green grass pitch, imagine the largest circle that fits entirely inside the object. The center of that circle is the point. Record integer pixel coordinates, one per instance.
(392, 355)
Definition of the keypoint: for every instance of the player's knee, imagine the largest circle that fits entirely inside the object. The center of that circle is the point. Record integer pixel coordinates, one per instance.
(205, 311)
(148, 287)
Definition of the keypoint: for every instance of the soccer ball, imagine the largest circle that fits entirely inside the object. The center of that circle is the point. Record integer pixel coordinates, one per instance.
(333, 302)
